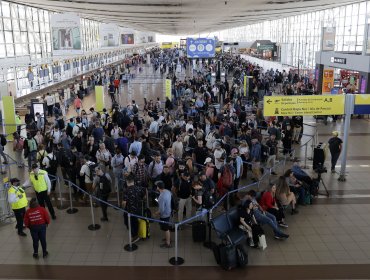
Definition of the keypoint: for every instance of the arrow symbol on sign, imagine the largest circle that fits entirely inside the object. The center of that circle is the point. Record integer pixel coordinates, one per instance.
(268, 101)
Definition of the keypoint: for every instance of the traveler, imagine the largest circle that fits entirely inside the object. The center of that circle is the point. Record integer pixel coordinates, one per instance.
(37, 219)
(102, 186)
(40, 181)
(164, 212)
(335, 147)
(18, 200)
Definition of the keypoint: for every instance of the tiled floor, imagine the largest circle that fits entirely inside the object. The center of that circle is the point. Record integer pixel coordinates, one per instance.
(335, 230)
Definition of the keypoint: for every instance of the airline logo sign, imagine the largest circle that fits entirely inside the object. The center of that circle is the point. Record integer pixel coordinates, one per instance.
(303, 105)
(362, 104)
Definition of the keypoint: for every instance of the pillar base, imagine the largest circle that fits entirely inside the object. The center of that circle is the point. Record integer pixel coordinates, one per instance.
(178, 261)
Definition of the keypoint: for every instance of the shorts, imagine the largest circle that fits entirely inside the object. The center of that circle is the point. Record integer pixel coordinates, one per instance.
(165, 226)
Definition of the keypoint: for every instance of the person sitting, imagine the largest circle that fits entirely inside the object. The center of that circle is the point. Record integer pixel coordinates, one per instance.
(268, 203)
(285, 196)
(295, 186)
(264, 217)
(302, 176)
(249, 224)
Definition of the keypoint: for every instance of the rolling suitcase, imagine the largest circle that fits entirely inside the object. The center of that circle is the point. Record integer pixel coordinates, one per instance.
(241, 255)
(199, 231)
(144, 229)
(228, 256)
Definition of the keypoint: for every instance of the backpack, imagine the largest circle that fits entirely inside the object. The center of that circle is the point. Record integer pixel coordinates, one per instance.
(19, 145)
(192, 142)
(135, 110)
(228, 131)
(53, 163)
(98, 115)
(92, 167)
(42, 156)
(105, 188)
(65, 158)
(31, 143)
(265, 153)
(3, 140)
(81, 127)
(227, 177)
(69, 130)
(61, 124)
(208, 200)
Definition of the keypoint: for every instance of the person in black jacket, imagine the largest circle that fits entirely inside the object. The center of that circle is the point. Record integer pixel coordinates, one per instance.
(287, 140)
(102, 186)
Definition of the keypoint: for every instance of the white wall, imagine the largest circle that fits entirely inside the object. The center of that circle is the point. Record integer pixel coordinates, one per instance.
(265, 63)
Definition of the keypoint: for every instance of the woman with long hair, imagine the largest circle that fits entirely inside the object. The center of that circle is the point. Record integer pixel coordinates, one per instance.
(284, 195)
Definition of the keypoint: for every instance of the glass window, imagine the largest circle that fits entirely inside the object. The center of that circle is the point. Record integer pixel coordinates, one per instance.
(24, 37)
(2, 50)
(8, 37)
(15, 24)
(2, 37)
(28, 12)
(14, 10)
(17, 37)
(36, 26)
(35, 15)
(7, 24)
(5, 9)
(23, 25)
(18, 50)
(10, 50)
(21, 12)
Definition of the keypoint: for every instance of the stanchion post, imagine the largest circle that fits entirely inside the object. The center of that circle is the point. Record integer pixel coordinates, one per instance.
(71, 210)
(60, 194)
(130, 247)
(176, 260)
(118, 200)
(228, 201)
(305, 157)
(93, 226)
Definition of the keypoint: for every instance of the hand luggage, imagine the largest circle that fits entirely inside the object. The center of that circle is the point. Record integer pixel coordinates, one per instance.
(216, 253)
(144, 230)
(228, 256)
(242, 256)
(199, 230)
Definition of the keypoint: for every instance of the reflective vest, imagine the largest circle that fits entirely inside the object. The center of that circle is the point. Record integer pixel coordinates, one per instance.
(22, 202)
(18, 120)
(40, 184)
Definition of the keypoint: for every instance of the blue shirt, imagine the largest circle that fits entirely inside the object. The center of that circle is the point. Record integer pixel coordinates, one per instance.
(122, 143)
(135, 146)
(164, 204)
(98, 134)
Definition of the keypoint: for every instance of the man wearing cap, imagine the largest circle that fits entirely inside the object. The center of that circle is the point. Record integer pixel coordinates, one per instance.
(164, 212)
(40, 181)
(18, 200)
(335, 147)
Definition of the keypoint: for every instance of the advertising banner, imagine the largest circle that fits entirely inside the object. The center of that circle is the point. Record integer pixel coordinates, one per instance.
(9, 116)
(99, 98)
(327, 81)
(328, 39)
(66, 34)
(200, 47)
(127, 39)
(169, 88)
(109, 35)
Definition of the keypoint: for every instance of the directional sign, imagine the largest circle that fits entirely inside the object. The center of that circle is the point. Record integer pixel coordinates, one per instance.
(303, 105)
(362, 104)
(200, 47)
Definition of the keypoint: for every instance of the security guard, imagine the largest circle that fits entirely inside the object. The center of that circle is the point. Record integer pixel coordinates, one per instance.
(18, 200)
(40, 181)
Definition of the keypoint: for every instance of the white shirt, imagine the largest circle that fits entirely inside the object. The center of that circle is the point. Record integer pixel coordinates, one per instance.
(49, 100)
(218, 154)
(130, 162)
(115, 133)
(76, 128)
(153, 128)
(188, 126)
(46, 161)
(85, 171)
(56, 134)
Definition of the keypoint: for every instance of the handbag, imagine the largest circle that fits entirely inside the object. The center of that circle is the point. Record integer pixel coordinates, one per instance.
(262, 242)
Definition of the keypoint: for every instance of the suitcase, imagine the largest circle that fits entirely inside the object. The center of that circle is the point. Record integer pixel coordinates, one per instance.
(241, 255)
(144, 229)
(228, 256)
(199, 231)
(216, 253)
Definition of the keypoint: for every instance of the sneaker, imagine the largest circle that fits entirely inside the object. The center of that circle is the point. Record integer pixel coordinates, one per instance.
(45, 254)
(284, 225)
(165, 246)
(333, 171)
(22, 234)
(35, 256)
(278, 237)
(104, 219)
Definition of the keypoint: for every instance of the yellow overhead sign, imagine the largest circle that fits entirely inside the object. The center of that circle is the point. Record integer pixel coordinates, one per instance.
(303, 105)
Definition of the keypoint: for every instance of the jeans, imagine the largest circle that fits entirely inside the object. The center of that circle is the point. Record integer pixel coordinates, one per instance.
(31, 159)
(42, 198)
(38, 233)
(334, 159)
(268, 219)
(184, 203)
(19, 214)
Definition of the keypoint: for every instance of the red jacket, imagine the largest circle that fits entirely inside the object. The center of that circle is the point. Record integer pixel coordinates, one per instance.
(36, 216)
(267, 201)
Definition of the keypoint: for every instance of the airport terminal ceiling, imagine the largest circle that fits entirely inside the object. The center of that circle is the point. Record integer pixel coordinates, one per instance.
(184, 16)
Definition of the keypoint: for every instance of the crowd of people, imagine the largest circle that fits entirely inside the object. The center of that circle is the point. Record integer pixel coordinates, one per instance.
(188, 150)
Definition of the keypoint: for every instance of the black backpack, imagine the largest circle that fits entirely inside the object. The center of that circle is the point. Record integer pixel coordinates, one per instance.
(105, 188)
(135, 110)
(65, 158)
(265, 153)
(53, 163)
(209, 200)
(192, 142)
(3, 140)
(92, 167)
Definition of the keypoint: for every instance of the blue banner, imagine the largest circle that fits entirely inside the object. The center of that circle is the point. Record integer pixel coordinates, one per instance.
(200, 47)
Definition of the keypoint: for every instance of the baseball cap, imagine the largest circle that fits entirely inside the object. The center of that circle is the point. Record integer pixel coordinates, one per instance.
(335, 133)
(208, 159)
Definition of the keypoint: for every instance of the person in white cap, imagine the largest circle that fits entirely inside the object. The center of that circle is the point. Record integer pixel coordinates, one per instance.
(335, 147)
